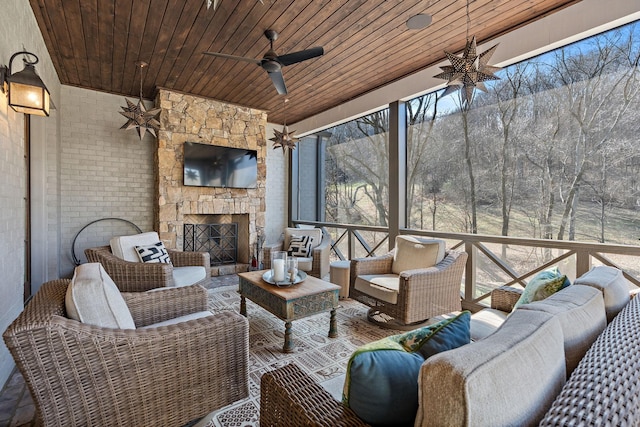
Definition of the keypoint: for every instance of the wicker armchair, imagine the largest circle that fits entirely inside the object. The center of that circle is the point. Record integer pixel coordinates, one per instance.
(318, 262)
(138, 276)
(291, 398)
(422, 293)
(80, 374)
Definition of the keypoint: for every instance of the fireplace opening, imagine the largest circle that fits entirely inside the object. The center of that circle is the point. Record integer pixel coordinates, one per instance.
(219, 240)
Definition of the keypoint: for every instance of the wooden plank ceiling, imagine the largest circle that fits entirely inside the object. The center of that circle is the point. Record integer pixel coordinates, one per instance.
(95, 44)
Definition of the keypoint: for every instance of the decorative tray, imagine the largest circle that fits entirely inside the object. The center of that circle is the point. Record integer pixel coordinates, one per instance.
(299, 278)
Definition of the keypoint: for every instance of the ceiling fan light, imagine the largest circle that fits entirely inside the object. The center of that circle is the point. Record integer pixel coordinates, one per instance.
(419, 21)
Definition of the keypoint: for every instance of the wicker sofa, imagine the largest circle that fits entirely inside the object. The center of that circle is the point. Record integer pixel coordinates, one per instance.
(555, 362)
(81, 374)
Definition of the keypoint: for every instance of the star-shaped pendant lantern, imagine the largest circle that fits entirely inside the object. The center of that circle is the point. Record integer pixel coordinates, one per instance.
(284, 139)
(138, 116)
(468, 71)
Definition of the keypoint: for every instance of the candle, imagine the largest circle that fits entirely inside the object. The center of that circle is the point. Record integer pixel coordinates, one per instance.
(278, 270)
(292, 268)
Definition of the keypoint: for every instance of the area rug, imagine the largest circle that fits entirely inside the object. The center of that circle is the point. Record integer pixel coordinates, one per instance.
(320, 356)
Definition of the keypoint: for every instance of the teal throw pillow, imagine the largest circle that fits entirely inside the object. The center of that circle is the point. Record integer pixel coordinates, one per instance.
(381, 386)
(543, 285)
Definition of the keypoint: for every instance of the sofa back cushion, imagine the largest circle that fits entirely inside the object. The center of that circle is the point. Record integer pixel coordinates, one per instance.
(124, 247)
(509, 378)
(580, 310)
(316, 233)
(93, 298)
(413, 252)
(611, 282)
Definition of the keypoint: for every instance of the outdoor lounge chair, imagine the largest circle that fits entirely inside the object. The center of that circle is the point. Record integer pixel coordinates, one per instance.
(82, 374)
(417, 280)
(121, 262)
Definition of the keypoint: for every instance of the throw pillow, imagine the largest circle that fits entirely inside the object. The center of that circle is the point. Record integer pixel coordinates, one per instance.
(300, 246)
(93, 298)
(381, 384)
(543, 285)
(155, 253)
(416, 252)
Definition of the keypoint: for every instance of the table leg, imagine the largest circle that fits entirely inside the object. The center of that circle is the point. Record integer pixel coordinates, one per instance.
(288, 338)
(333, 325)
(243, 305)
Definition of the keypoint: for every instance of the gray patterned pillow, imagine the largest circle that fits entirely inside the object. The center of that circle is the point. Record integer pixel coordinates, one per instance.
(155, 253)
(300, 246)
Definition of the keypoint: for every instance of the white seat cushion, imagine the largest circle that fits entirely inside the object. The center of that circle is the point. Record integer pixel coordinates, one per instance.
(185, 276)
(381, 286)
(335, 386)
(124, 247)
(485, 322)
(305, 264)
(413, 252)
(93, 298)
(176, 320)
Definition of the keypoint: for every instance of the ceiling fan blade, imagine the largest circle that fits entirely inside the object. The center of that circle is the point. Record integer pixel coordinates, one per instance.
(278, 82)
(303, 55)
(237, 58)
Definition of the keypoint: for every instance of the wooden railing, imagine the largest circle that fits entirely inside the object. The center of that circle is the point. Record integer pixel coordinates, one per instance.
(493, 260)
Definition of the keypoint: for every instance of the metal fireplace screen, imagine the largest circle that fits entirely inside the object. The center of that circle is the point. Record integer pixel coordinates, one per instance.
(220, 240)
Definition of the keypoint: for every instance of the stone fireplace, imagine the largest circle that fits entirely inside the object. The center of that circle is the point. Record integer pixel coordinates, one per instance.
(189, 118)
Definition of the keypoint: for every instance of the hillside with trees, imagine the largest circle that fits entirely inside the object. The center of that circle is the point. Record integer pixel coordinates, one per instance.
(551, 150)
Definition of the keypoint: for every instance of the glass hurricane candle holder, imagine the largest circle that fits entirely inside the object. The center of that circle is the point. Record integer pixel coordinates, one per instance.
(278, 266)
(292, 269)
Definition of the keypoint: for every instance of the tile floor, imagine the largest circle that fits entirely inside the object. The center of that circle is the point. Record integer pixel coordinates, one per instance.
(16, 406)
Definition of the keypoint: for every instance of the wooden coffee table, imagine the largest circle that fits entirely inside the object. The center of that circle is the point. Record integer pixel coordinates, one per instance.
(312, 296)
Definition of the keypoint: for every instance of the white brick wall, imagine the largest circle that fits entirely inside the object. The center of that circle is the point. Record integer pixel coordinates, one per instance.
(104, 171)
(18, 29)
(307, 155)
(276, 192)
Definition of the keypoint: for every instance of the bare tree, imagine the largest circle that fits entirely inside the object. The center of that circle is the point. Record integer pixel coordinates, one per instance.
(588, 79)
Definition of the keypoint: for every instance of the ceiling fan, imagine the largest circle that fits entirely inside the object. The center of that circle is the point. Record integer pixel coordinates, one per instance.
(272, 63)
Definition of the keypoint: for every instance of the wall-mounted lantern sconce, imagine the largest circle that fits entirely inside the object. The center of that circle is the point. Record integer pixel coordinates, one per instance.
(27, 93)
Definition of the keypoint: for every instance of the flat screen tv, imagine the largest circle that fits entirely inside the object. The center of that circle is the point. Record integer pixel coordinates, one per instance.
(216, 166)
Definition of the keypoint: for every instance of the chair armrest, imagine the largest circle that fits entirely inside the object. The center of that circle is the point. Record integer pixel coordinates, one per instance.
(504, 298)
(321, 255)
(372, 265)
(428, 292)
(289, 397)
(131, 276)
(266, 252)
(187, 259)
(156, 306)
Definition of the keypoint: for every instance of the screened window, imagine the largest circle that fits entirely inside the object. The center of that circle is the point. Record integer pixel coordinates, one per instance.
(549, 151)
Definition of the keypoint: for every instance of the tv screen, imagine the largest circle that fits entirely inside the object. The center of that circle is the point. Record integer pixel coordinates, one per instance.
(216, 166)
